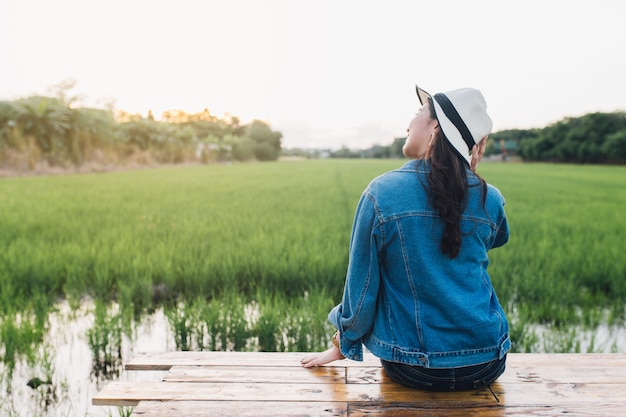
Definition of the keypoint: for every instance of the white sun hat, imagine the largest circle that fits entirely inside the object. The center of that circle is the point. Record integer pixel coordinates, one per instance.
(462, 115)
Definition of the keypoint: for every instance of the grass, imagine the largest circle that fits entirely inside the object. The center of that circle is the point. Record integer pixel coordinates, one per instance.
(564, 262)
(191, 230)
(217, 245)
(270, 322)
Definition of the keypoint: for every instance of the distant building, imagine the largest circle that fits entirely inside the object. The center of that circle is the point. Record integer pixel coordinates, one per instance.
(508, 148)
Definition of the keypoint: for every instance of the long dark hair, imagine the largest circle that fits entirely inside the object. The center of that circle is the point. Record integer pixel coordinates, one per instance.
(449, 186)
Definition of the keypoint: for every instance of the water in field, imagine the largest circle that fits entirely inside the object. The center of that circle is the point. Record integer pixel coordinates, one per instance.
(65, 374)
(64, 370)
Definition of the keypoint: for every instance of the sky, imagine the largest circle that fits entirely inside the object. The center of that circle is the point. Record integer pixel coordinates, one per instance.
(325, 73)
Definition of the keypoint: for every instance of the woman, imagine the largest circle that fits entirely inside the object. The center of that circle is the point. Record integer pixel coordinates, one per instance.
(417, 292)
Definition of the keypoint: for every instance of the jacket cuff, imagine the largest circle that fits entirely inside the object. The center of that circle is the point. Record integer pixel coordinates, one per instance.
(349, 348)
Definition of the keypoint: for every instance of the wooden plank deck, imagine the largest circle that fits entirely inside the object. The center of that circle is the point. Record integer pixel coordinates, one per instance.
(222, 384)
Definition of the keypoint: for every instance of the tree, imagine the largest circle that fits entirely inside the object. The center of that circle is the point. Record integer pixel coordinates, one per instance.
(48, 121)
(244, 149)
(144, 133)
(267, 142)
(61, 91)
(345, 152)
(615, 147)
(265, 152)
(579, 140)
(9, 130)
(396, 148)
(92, 129)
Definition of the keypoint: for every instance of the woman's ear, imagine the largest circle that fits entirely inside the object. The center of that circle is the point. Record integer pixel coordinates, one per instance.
(432, 137)
(477, 153)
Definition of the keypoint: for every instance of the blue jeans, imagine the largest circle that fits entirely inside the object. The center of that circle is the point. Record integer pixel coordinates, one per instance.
(446, 379)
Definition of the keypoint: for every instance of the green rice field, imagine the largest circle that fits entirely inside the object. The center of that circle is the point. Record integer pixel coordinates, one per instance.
(252, 257)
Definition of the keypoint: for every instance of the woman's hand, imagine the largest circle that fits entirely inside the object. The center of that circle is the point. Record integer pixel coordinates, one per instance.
(477, 153)
(322, 358)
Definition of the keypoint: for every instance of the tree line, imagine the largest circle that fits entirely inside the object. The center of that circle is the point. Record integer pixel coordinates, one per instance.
(52, 131)
(596, 138)
(49, 130)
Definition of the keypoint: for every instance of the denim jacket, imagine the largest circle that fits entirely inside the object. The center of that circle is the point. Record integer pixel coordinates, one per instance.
(403, 298)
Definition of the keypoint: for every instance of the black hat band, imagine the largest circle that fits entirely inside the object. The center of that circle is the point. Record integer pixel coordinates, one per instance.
(455, 118)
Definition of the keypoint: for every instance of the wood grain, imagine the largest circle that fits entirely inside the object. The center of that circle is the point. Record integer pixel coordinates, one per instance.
(274, 384)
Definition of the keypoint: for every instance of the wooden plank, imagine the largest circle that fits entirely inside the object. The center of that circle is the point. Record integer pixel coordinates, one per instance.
(239, 409)
(413, 410)
(274, 384)
(257, 374)
(128, 393)
(579, 375)
(511, 394)
(570, 360)
(165, 360)
(296, 409)
(376, 375)
(513, 373)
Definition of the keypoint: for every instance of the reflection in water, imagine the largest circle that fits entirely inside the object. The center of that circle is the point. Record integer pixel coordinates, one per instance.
(65, 374)
(105, 342)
